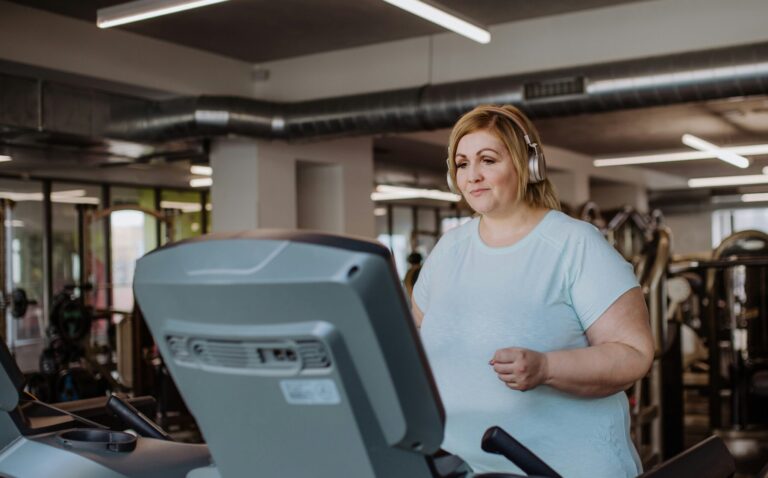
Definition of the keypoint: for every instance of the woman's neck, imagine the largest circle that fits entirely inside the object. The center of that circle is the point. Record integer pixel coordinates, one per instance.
(507, 229)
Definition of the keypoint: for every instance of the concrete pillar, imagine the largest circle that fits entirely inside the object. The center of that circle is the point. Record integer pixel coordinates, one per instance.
(323, 186)
(572, 187)
(619, 195)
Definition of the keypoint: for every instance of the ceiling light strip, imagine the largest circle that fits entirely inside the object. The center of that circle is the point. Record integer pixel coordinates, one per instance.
(444, 19)
(144, 9)
(386, 192)
(747, 150)
(754, 197)
(201, 170)
(728, 181)
(201, 182)
(731, 158)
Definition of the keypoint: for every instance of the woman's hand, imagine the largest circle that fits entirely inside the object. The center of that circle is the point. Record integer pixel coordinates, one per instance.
(520, 369)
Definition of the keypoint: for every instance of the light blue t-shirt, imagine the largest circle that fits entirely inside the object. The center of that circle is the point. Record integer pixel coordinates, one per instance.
(540, 293)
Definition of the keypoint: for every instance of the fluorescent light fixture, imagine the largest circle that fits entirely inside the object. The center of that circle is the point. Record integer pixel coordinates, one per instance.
(379, 211)
(4, 158)
(127, 149)
(14, 223)
(697, 143)
(748, 150)
(754, 197)
(728, 181)
(444, 19)
(75, 200)
(71, 193)
(75, 196)
(143, 9)
(201, 182)
(182, 206)
(387, 193)
(201, 170)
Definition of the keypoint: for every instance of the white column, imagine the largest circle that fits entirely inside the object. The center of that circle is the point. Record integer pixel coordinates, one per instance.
(323, 185)
(618, 195)
(572, 187)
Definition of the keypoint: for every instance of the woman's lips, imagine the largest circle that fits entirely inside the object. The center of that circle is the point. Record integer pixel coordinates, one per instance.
(478, 192)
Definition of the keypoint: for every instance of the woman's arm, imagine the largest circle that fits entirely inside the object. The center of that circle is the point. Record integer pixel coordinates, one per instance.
(418, 315)
(620, 352)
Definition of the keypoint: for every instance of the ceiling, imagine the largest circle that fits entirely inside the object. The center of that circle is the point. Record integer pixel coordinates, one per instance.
(660, 129)
(260, 30)
(621, 133)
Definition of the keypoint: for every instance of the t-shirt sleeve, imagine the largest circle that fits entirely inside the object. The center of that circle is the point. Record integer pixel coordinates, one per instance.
(599, 275)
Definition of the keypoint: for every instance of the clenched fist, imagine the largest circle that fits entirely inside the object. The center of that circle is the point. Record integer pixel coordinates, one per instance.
(520, 369)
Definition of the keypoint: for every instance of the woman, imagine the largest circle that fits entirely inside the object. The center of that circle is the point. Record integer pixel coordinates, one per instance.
(530, 319)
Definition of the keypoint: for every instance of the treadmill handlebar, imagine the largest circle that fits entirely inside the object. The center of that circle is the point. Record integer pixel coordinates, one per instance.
(135, 419)
(496, 440)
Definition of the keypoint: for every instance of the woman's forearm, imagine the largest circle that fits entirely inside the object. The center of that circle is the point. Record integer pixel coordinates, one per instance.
(596, 371)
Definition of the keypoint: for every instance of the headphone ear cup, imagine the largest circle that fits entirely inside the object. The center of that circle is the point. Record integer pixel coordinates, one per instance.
(537, 168)
(451, 186)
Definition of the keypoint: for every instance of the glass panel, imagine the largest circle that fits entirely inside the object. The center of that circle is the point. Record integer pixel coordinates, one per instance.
(95, 259)
(144, 198)
(130, 232)
(67, 199)
(184, 209)
(24, 267)
(400, 240)
(380, 219)
(428, 232)
(728, 221)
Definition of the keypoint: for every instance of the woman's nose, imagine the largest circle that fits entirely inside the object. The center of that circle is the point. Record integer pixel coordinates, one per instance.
(474, 174)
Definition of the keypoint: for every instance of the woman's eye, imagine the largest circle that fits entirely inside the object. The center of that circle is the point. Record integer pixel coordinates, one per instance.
(461, 165)
(488, 160)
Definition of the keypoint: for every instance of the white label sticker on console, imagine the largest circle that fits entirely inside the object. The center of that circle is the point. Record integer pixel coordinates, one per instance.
(310, 392)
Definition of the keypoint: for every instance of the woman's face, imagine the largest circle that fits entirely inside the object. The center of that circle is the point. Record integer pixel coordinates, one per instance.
(485, 173)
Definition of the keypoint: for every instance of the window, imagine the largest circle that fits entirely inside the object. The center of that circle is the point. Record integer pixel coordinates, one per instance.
(727, 221)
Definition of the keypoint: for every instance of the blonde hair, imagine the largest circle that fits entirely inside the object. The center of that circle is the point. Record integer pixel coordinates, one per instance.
(496, 120)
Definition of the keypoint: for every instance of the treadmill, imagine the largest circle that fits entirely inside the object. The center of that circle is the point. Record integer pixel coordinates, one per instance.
(79, 447)
(297, 354)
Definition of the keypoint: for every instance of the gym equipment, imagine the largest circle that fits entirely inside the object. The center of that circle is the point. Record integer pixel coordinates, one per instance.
(135, 419)
(290, 344)
(70, 367)
(738, 322)
(94, 452)
(70, 317)
(19, 303)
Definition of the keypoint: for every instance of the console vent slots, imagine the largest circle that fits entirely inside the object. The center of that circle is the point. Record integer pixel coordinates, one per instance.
(221, 353)
(256, 355)
(314, 354)
(178, 348)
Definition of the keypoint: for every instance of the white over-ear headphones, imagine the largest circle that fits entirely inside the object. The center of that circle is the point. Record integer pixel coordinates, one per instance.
(537, 168)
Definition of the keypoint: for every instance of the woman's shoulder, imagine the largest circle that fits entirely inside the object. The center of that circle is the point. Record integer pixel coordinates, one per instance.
(563, 230)
(457, 235)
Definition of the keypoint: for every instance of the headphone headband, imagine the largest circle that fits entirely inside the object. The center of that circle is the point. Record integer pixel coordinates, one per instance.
(537, 171)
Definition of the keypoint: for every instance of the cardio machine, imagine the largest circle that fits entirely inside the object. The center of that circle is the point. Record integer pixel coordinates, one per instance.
(297, 354)
(31, 447)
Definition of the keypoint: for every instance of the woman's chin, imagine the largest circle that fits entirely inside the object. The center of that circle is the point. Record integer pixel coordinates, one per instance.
(481, 208)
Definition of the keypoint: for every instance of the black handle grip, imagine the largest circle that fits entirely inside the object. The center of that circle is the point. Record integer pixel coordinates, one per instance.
(135, 419)
(496, 440)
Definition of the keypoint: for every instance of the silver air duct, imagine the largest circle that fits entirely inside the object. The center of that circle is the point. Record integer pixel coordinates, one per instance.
(680, 78)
